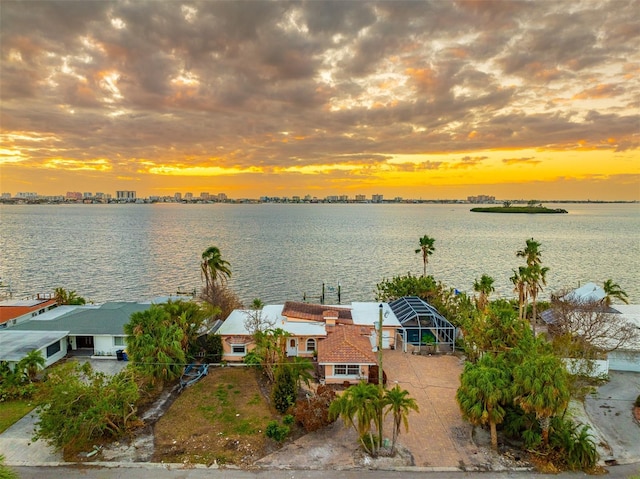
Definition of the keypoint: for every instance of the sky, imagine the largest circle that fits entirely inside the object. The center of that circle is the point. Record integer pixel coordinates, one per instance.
(418, 99)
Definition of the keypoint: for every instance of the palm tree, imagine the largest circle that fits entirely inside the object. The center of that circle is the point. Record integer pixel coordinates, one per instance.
(484, 287)
(613, 290)
(536, 278)
(154, 344)
(426, 248)
(359, 407)
(62, 297)
(540, 386)
(533, 276)
(31, 363)
(214, 268)
(400, 405)
(484, 388)
(520, 286)
(531, 253)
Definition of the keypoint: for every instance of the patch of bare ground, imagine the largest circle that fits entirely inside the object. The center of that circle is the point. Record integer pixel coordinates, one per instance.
(220, 420)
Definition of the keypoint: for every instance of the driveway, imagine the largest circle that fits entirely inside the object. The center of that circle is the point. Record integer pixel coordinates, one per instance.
(610, 411)
(437, 436)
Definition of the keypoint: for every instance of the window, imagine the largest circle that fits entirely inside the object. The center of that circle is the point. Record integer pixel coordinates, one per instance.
(118, 341)
(311, 345)
(238, 349)
(346, 370)
(53, 349)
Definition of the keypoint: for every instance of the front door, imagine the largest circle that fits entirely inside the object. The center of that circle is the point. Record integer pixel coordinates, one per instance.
(292, 347)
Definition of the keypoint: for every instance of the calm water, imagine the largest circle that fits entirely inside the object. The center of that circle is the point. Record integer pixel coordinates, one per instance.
(281, 252)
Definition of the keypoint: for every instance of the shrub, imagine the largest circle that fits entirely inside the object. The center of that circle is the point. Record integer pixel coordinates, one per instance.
(313, 413)
(574, 444)
(276, 431)
(284, 389)
(637, 403)
(288, 420)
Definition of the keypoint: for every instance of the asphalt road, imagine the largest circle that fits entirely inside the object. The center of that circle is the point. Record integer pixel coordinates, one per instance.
(616, 472)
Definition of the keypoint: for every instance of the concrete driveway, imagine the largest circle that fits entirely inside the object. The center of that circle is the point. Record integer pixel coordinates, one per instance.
(610, 411)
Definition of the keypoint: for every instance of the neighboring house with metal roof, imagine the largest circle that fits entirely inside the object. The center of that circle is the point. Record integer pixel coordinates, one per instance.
(318, 329)
(98, 330)
(588, 300)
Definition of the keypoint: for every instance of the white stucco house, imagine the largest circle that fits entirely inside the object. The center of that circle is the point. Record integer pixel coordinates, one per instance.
(96, 330)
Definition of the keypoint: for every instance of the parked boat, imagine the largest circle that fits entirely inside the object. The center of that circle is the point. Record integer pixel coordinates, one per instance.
(192, 374)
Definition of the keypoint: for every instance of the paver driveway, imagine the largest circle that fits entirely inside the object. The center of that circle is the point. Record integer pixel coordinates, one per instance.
(437, 437)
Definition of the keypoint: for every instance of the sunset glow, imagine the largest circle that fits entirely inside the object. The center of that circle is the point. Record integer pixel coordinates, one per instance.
(415, 99)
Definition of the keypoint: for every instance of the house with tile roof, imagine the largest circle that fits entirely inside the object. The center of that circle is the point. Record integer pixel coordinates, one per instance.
(342, 337)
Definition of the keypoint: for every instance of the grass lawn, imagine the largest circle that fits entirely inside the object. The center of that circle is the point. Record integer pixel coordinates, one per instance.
(221, 418)
(12, 411)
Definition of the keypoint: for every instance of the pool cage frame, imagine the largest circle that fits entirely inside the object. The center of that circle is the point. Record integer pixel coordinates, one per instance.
(421, 321)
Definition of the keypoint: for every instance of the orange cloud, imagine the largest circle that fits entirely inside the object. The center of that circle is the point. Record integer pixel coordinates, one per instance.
(597, 92)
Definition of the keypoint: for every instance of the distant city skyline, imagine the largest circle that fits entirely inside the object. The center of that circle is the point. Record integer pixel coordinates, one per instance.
(190, 197)
(420, 99)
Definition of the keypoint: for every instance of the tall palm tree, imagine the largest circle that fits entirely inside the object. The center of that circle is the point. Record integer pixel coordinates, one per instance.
(536, 278)
(214, 268)
(484, 388)
(531, 253)
(400, 405)
(519, 280)
(484, 287)
(613, 290)
(426, 248)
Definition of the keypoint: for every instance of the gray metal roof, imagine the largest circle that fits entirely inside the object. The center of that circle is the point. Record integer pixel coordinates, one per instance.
(108, 319)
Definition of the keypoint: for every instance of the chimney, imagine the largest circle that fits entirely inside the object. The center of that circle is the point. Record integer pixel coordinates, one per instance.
(330, 318)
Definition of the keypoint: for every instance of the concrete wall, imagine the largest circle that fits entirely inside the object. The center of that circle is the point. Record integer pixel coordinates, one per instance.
(624, 361)
(104, 345)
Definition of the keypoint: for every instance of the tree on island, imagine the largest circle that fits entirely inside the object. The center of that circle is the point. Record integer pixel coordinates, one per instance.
(506, 204)
(426, 248)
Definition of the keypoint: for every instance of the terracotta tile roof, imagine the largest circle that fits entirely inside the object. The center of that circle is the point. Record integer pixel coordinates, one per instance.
(345, 345)
(14, 311)
(315, 312)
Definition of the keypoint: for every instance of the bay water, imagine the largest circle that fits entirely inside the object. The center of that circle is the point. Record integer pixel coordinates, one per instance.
(281, 252)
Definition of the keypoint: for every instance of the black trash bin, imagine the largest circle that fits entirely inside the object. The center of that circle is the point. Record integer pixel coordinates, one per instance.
(120, 354)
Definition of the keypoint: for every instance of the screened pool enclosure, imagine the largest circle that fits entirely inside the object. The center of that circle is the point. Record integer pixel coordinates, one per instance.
(422, 325)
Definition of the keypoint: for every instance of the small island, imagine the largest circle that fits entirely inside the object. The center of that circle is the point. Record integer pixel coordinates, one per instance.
(533, 207)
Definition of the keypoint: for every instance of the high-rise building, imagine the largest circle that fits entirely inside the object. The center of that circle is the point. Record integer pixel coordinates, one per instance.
(74, 195)
(377, 198)
(125, 195)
